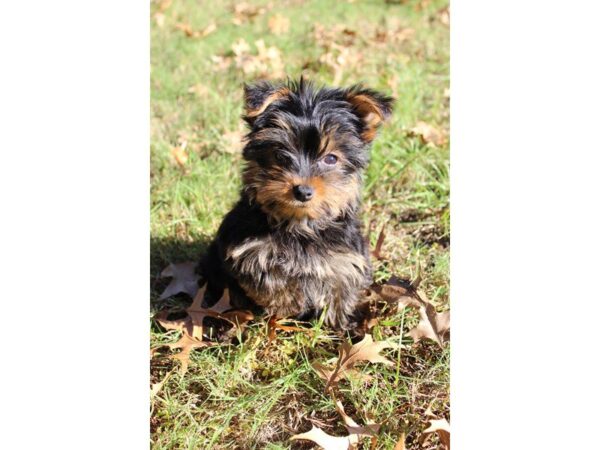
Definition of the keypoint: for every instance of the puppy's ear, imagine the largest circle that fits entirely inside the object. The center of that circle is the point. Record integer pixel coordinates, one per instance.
(258, 97)
(371, 107)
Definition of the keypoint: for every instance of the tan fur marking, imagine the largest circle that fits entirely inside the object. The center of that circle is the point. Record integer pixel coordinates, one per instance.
(270, 99)
(331, 196)
(370, 114)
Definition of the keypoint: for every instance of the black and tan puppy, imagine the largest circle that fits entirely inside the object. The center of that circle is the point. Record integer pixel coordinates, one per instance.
(293, 243)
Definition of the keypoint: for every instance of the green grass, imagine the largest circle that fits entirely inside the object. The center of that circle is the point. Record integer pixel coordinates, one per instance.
(256, 395)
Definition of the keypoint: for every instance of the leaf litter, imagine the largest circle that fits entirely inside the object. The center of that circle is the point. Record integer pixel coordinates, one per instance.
(395, 295)
(442, 428)
(349, 355)
(191, 325)
(355, 433)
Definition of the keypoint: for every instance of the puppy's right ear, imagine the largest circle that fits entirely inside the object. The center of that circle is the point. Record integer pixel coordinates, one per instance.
(258, 97)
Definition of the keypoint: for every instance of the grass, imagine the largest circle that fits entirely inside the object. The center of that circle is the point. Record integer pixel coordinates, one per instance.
(256, 394)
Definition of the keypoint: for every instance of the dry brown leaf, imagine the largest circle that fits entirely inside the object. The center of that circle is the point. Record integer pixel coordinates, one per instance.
(442, 428)
(210, 28)
(245, 12)
(433, 325)
(339, 58)
(349, 355)
(192, 326)
(159, 15)
(324, 440)
(163, 5)
(371, 429)
(398, 292)
(266, 63)
(240, 47)
(396, 35)
(190, 32)
(275, 324)
(186, 28)
(184, 279)
(186, 344)
(327, 36)
(444, 16)
(401, 444)
(355, 433)
(220, 62)
(197, 314)
(428, 133)
(180, 155)
(222, 305)
(156, 387)
(279, 24)
(159, 18)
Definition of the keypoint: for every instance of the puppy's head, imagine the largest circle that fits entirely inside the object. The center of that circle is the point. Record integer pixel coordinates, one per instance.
(307, 147)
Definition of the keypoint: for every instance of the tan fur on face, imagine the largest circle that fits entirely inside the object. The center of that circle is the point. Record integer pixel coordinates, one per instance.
(273, 190)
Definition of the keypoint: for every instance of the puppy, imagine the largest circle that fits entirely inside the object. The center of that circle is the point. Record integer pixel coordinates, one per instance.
(293, 245)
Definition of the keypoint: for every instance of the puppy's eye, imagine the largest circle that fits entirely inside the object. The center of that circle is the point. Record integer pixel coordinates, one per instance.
(330, 159)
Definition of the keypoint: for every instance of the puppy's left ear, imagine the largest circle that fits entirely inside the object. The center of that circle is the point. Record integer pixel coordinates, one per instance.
(259, 96)
(371, 107)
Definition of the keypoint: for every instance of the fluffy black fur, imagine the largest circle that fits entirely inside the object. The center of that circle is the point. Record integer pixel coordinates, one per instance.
(296, 258)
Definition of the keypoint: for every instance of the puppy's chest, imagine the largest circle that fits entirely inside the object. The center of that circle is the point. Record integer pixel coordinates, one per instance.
(260, 257)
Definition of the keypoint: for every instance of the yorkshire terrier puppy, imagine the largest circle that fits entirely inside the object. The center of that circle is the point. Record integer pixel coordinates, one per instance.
(293, 243)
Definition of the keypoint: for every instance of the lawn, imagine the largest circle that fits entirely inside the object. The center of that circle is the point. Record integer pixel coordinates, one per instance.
(258, 393)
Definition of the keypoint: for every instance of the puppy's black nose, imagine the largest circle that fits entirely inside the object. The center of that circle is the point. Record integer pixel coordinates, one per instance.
(303, 192)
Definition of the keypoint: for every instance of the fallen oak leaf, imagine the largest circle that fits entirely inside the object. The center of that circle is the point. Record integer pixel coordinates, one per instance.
(197, 313)
(328, 442)
(184, 279)
(189, 32)
(442, 428)
(192, 327)
(349, 355)
(324, 440)
(159, 15)
(180, 155)
(186, 28)
(432, 325)
(428, 133)
(159, 18)
(401, 444)
(398, 292)
(220, 310)
(222, 305)
(187, 343)
(244, 11)
(183, 324)
(156, 387)
(274, 324)
(210, 28)
(279, 24)
(370, 429)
